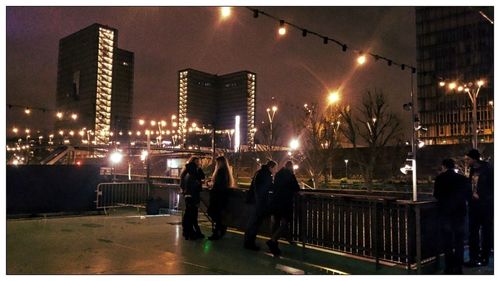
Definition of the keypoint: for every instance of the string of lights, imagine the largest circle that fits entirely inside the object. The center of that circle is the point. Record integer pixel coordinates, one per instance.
(344, 46)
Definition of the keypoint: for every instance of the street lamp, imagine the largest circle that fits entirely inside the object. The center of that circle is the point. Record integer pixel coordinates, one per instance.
(333, 97)
(115, 158)
(294, 144)
(270, 116)
(472, 89)
(346, 161)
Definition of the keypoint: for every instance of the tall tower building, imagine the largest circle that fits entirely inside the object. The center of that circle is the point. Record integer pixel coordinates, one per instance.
(454, 45)
(95, 80)
(214, 101)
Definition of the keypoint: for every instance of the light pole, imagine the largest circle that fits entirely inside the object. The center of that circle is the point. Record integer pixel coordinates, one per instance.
(270, 116)
(472, 89)
(346, 161)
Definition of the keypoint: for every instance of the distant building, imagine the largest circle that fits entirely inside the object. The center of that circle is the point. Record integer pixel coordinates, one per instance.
(95, 81)
(454, 44)
(212, 101)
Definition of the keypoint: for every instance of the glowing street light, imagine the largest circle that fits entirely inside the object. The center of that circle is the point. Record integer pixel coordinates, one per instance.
(59, 115)
(473, 92)
(74, 116)
(225, 12)
(333, 97)
(141, 122)
(27, 110)
(27, 131)
(15, 130)
(294, 144)
(173, 117)
(116, 157)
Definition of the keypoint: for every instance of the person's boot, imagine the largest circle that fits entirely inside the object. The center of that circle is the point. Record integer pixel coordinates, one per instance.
(273, 247)
(251, 246)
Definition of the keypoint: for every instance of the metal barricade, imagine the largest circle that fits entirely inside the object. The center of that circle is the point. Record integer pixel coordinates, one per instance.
(122, 194)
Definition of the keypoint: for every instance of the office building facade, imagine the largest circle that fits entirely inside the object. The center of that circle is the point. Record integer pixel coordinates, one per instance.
(454, 45)
(213, 102)
(95, 81)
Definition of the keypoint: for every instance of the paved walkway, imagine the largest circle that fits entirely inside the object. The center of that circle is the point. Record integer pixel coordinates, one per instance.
(129, 243)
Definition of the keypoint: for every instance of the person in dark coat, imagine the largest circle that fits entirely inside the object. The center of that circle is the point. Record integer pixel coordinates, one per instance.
(480, 210)
(222, 181)
(262, 184)
(285, 188)
(191, 183)
(452, 191)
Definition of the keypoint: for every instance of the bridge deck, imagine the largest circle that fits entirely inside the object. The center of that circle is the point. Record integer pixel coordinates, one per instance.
(126, 242)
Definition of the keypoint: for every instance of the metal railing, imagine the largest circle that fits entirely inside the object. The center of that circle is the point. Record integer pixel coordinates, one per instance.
(382, 229)
(379, 228)
(122, 194)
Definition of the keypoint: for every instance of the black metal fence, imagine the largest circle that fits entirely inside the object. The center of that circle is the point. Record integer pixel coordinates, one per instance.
(379, 228)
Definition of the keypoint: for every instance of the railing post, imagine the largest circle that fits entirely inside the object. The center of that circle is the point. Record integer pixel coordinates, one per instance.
(302, 223)
(376, 226)
(418, 239)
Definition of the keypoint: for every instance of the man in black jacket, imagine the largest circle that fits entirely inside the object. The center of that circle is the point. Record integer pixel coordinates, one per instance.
(480, 210)
(285, 188)
(262, 184)
(452, 190)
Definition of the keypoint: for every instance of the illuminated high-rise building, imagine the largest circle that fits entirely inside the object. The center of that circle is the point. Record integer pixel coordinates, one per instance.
(214, 101)
(95, 82)
(454, 45)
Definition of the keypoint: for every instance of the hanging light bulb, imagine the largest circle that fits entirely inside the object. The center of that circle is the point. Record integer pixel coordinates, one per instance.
(361, 59)
(225, 12)
(282, 29)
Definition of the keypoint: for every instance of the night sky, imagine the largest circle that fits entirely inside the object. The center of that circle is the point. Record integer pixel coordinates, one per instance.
(292, 68)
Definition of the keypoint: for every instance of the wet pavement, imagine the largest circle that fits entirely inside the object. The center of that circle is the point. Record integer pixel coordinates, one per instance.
(127, 242)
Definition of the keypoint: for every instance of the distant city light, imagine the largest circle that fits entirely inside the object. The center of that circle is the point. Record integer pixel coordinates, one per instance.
(295, 167)
(59, 115)
(442, 84)
(275, 108)
(153, 123)
(480, 83)
(116, 157)
(237, 133)
(74, 116)
(144, 154)
(141, 122)
(452, 85)
(163, 123)
(294, 144)
(27, 131)
(27, 110)
(71, 133)
(174, 117)
(15, 130)
(61, 132)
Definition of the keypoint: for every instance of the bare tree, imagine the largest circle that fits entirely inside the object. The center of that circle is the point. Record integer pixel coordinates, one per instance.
(319, 137)
(375, 126)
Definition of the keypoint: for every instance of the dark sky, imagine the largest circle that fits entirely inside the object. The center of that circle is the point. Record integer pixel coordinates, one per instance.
(292, 68)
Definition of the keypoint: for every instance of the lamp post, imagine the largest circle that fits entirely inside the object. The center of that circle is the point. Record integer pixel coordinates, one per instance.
(346, 161)
(472, 89)
(270, 116)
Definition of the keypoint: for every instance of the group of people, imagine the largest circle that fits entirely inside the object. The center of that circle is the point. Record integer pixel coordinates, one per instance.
(192, 178)
(268, 196)
(455, 194)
